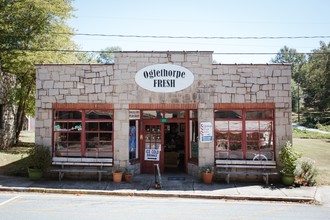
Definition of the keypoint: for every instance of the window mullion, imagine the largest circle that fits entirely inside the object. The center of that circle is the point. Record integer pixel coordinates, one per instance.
(244, 143)
(83, 134)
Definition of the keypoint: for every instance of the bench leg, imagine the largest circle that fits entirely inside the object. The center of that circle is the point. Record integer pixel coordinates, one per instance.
(228, 178)
(100, 176)
(60, 175)
(266, 179)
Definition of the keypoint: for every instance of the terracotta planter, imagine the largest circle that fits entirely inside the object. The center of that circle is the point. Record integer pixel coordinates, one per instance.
(207, 178)
(117, 176)
(128, 177)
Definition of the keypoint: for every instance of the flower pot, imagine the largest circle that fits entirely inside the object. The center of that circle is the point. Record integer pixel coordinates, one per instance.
(35, 174)
(128, 177)
(117, 176)
(207, 178)
(287, 179)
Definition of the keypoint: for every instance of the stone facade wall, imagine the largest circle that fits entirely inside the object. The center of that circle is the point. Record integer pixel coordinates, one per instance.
(7, 128)
(116, 84)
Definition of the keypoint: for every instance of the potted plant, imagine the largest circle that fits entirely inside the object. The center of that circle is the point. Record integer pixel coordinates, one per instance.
(127, 175)
(288, 158)
(39, 160)
(207, 174)
(305, 172)
(117, 175)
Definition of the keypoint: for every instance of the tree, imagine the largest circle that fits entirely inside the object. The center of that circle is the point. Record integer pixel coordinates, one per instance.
(289, 55)
(317, 75)
(30, 35)
(85, 57)
(106, 55)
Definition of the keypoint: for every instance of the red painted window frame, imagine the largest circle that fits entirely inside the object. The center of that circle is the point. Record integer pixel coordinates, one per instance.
(244, 131)
(83, 131)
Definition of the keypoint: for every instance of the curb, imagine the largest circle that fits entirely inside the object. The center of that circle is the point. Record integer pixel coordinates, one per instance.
(158, 194)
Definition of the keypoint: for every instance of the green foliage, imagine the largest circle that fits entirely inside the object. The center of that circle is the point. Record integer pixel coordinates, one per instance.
(310, 74)
(323, 127)
(39, 157)
(306, 171)
(85, 57)
(309, 134)
(319, 120)
(288, 159)
(317, 75)
(127, 171)
(30, 35)
(118, 169)
(207, 169)
(290, 55)
(106, 55)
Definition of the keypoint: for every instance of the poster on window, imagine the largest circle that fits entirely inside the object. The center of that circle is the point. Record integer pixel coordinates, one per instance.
(206, 132)
(151, 154)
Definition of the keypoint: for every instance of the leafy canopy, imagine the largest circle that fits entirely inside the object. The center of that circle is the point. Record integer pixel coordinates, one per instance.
(317, 75)
(27, 29)
(30, 34)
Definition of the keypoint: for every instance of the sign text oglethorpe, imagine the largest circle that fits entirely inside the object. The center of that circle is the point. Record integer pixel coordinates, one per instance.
(164, 78)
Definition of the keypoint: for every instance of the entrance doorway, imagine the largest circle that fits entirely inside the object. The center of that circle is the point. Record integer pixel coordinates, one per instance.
(164, 144)
(174, 147)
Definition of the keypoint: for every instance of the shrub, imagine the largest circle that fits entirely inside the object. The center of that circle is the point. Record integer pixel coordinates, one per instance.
(39, 157)
(288, 159)
(306, 172)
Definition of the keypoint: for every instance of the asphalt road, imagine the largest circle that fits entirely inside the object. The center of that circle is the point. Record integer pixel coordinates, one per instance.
(53, 206)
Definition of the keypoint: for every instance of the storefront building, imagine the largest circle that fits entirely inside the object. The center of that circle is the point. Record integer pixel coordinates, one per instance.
(176, 109)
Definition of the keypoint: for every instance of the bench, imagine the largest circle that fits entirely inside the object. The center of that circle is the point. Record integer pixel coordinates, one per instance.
(246, 167)
(81, 165)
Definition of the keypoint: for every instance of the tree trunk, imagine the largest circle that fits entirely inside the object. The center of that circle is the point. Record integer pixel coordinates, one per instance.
(20, 121)
(20, 116)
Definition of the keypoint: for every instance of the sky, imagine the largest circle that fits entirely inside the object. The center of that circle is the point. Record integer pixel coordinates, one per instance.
(203, 18)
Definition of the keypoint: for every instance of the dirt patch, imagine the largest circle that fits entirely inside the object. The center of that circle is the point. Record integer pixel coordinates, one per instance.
(27, 137)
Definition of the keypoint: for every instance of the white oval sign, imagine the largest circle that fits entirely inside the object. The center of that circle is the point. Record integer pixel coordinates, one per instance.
(164, 78)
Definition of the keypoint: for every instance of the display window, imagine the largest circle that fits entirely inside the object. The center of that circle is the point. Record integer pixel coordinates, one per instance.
(133, 144)
(83, 133)
(244, 134)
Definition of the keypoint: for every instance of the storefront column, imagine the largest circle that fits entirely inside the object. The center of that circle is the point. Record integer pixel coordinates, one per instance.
(121, 129)
(206, 149)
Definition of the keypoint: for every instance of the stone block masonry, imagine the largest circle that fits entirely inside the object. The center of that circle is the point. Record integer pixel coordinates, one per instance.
(115, 84)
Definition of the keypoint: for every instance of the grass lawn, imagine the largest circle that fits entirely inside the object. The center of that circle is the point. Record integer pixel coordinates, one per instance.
(13, 161)
(318, 150)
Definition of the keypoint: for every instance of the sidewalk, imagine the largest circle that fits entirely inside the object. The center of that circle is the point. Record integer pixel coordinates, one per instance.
(182, 186)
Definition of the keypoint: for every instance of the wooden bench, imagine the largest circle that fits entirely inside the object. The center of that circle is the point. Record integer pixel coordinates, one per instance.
(246, 167)
(81, 165)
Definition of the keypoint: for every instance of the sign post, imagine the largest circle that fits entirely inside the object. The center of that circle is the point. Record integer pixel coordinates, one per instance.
(158, 178)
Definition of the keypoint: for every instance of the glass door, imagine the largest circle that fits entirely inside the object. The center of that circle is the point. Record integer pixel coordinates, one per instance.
(152, 147)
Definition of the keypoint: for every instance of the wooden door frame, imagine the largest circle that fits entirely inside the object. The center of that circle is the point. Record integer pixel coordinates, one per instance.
(142, 148)
(142, 125)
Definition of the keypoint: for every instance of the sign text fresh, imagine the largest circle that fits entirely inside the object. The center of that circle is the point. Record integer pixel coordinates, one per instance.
(164, 78)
